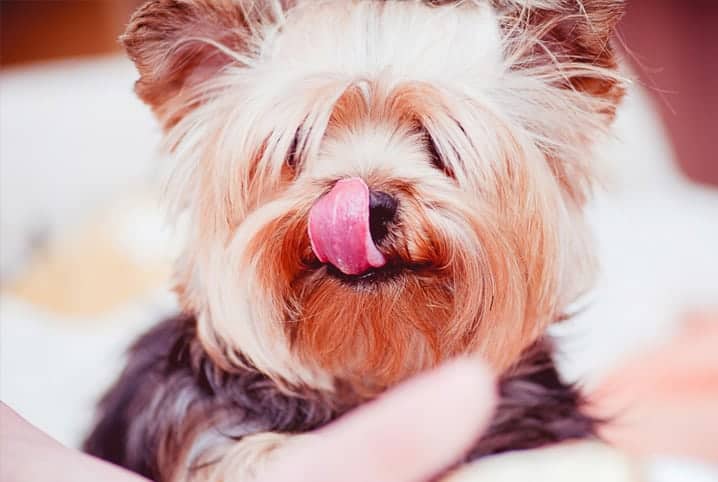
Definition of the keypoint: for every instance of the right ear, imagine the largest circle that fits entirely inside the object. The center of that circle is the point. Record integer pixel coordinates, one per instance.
(573, 36)
(179, 44)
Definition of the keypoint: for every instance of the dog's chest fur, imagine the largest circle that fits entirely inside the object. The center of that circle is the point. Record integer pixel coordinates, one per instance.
(171, 399)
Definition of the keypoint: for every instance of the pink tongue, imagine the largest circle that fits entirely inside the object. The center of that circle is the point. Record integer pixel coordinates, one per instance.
(339, 228)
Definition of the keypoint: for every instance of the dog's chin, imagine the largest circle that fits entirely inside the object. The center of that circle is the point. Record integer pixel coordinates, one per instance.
(370, 330)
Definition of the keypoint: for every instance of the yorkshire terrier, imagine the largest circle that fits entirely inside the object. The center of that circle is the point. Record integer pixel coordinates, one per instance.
(371, 187)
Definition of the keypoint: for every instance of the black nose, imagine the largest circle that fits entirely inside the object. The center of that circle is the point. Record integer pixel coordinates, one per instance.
(382, 209)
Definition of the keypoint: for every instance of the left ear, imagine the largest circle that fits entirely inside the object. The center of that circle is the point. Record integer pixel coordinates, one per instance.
(179, 44)
(574, 36)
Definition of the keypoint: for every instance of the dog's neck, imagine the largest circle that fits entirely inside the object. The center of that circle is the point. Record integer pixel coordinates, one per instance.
(168, 363)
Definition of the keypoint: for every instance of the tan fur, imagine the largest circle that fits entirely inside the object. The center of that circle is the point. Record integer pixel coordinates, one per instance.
(244, 461)
(479, 116)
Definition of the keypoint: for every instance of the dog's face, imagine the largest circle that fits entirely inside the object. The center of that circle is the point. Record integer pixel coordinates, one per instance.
(374, 186)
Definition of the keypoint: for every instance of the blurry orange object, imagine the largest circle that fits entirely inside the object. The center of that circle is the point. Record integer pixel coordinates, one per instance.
(118, 256)
(665, 402)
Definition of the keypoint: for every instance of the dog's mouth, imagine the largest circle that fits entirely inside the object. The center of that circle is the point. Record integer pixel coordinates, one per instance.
(391, 272)
(372, 276)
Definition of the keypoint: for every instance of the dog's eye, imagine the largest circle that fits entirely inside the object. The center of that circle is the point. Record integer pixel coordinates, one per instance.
(293, 154)
(435, 157)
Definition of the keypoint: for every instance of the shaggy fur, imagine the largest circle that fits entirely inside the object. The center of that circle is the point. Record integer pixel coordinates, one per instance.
(288, 101)
(173, 412)
(477, 117)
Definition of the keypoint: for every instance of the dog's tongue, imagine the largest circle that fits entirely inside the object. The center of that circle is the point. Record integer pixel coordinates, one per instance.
(339, 228)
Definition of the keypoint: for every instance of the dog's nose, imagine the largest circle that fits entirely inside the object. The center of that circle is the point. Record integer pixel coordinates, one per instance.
(382, 210)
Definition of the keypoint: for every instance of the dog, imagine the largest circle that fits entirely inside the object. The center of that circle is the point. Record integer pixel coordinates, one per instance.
(371, 187)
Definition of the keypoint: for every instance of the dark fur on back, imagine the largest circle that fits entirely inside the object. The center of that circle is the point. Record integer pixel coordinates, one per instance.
(171, 394)
(535, 408)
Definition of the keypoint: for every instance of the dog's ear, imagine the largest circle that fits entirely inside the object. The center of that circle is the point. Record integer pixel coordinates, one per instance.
(575, 36)
(177, 44)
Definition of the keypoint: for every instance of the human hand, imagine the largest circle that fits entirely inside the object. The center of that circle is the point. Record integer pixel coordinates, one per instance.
(662, 401)
(409, 434)
(29, 455)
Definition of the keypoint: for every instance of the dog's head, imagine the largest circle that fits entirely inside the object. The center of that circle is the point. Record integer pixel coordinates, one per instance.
(373, 186)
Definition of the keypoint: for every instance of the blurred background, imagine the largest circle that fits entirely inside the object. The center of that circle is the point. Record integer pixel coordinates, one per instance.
(85, 256)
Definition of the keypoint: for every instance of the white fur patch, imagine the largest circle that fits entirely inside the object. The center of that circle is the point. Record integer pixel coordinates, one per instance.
(409, 40)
